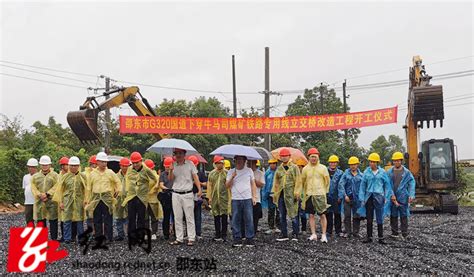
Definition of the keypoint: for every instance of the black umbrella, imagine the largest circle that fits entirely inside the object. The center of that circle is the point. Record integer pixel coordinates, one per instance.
(266, 155)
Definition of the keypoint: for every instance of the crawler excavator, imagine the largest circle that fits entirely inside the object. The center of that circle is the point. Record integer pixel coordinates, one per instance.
(434, 167)
(84, 122)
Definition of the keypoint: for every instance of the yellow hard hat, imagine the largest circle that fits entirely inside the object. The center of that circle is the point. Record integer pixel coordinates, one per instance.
(301, 162)
(273, 161)
(374, 157)
(397, 156)
(353, 160)
(258, 162)
(226, 163)
(334, 159)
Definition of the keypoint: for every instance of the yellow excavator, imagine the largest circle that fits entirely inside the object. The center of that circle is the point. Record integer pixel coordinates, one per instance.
(84, 122)
(434, 167)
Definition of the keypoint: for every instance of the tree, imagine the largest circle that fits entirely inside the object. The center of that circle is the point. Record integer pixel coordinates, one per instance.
(385, 148)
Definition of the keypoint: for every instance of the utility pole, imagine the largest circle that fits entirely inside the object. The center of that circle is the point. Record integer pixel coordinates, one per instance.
(267, 137)
(107, 117)
(321, 91)
(233, 138)
(234, 91)
(345, 104)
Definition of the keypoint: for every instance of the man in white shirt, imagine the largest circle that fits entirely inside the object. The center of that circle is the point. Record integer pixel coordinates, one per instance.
(259, 182)
(439, 162)
(183, 174)
(241, 181)
(32, 165)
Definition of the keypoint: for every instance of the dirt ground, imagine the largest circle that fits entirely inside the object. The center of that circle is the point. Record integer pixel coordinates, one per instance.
(439, 244)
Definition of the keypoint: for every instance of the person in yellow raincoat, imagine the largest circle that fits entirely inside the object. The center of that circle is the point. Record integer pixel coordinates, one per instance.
(92, 166)
(139, 179)
(219, 198)
(43, 185)
(154, 211)
(104, 187)
(286, 193)
(71, 194)
(301, 212)
(63, 169)
(120, 212)
(315, 184)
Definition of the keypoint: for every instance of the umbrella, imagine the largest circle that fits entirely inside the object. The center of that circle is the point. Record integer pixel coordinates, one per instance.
(166, 147)
(232, 150)
(295, 154)
(266, 155)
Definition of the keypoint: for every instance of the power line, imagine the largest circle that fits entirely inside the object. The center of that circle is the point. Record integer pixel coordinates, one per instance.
(44, 81)
(47, 74)
(50, 69)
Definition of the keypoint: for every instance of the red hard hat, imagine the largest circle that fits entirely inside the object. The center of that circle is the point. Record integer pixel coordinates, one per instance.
(218, 159)
(92, 160)
(284, 152)
(168, 161)
(194, 159)
(64, 161)
(149, 163)
(312, 151)
(125, 162)
(135, 157)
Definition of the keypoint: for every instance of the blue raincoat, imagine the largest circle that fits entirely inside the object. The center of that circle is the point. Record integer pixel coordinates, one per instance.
(349, 186)
(405, 190)
(379, 187)
(267, 189)
(332, 196)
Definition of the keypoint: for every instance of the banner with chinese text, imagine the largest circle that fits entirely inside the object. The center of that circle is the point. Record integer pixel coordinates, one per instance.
(257, 125)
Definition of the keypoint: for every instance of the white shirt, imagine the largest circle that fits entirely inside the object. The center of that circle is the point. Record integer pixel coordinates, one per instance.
(438, 160)
(29, 198)
(183, 176)
(242, 184)
(259, 176)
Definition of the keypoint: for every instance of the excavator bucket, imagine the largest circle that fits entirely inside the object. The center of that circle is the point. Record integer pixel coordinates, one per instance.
(84, 124)
(428, 105)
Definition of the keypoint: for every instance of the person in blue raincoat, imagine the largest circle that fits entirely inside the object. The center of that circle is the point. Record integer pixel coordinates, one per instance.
(374, 193)
(349, 195)
(267, 198)
(334, 212)
(403, 186)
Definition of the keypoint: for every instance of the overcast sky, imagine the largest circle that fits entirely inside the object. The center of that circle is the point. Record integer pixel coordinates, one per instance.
(190, 45)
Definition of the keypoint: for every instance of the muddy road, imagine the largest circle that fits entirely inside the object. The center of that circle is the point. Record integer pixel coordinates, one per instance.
(439, 244)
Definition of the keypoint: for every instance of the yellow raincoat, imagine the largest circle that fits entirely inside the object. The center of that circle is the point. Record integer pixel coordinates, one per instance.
(153, 202)
(119, 211)
(71, 191)
(218, 193)
(315, 182)
(102, 186)
(138, 184)
(41, 183)
(289, 182)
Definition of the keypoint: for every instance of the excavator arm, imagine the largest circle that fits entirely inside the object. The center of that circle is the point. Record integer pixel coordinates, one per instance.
(84, 122)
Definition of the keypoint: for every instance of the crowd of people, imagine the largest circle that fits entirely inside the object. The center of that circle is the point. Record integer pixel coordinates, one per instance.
(138, 197)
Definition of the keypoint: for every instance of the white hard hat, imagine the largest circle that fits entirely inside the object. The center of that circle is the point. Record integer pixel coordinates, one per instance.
(101, 156)
(74, 161)
(32, 162)
(45, 160)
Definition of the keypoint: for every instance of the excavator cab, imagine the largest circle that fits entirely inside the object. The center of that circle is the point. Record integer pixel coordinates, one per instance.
(439, 164)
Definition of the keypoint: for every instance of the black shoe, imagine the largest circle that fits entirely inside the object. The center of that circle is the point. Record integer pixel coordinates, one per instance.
(217, 239)
(382, 241)
(237, 244)
(249, 243)
(282, 238)
(294, 237)
(367, 240)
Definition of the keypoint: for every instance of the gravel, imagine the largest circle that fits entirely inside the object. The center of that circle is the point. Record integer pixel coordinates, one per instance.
(439, 244)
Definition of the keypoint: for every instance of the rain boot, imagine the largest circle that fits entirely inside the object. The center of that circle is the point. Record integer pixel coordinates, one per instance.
(380, 233)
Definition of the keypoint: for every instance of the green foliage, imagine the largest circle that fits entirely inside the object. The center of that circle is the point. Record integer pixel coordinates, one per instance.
(385, 148)
(13, 164)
